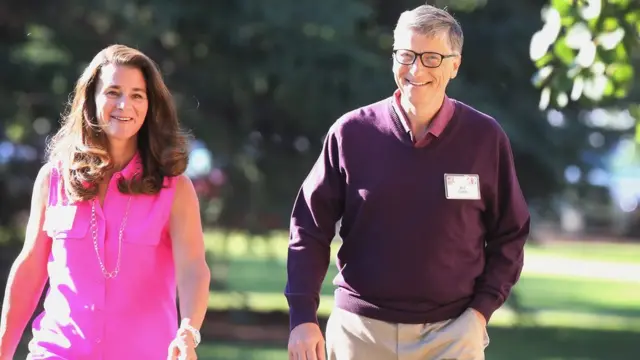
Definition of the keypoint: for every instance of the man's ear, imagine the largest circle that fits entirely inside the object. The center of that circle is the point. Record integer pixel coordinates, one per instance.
(456, 65)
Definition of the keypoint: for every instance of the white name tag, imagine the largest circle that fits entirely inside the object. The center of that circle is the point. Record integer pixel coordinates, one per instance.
(60, 218)
(462, 187)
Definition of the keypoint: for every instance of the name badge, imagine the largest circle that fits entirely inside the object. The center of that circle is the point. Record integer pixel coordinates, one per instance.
(60, 218)
(462, 186)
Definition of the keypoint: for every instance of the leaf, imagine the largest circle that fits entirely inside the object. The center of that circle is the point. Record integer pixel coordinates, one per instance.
(610, 24)
(578, 87)
(621, 54)
(552, 23)
(562, 99)
(620, 93)
(539, 45)
(595, 87)
(563, 6)
(609, 40)
(545, 97)
(587, 54)
(632, 17)
(621, 3)
(542, 75)
(563, 52)
(609, 88)
(543, 61)
(590, 9)
(620, 72)
(578, 35)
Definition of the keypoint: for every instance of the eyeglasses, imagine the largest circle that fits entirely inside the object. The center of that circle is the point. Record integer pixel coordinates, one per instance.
(428, 59)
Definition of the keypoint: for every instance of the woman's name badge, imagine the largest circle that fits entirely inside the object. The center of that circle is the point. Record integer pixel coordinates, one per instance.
(462, 186)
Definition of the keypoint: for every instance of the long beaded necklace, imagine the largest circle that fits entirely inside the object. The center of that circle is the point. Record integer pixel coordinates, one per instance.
(94, 234)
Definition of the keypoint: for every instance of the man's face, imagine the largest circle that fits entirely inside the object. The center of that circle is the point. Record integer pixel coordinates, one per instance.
(417, 83)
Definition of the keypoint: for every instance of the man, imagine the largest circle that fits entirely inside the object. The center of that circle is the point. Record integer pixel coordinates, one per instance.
(433, 219)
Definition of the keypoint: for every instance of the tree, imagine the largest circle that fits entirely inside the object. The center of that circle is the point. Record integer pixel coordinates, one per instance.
(587, 52)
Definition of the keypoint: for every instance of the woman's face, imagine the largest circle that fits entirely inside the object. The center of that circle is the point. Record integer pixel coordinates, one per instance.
(121, 102)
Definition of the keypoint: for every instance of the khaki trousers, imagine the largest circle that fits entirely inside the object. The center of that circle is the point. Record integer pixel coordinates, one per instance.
(354, 337)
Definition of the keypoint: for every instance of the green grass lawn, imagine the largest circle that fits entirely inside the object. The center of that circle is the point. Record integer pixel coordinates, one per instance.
(258, 272)
(276, 246)
(576, 318)
(541, 343)
(618, 253)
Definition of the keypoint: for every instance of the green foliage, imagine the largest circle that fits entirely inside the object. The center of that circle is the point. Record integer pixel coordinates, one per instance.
(259, 83)
(583, 52)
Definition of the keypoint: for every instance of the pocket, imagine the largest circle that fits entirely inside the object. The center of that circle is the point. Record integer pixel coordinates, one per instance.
(487, 339)
(480, 325)
(69, 222)
(146, 233)
(147, 221)
(472, 327)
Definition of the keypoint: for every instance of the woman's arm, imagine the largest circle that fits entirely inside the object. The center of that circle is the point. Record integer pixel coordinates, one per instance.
(192, 273)
(28, 273)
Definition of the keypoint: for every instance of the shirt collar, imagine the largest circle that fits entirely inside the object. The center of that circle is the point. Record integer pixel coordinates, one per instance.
(133, 168)
(437, 124)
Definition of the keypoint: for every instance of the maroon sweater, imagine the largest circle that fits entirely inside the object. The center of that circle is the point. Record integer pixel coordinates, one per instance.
(409, 254)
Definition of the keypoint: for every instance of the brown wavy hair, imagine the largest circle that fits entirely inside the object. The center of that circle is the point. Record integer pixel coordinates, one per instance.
(79, 148)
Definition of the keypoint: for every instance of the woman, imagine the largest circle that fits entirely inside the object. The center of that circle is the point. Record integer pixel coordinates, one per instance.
(114, 226)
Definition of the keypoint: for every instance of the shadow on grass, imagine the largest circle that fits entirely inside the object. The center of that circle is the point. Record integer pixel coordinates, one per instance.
(506, 344)
(561, 344)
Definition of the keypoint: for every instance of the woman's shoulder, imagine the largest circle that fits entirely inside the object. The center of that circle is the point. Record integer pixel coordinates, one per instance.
(179, 182)
(42, 182)
(48, 171)
(180, 186)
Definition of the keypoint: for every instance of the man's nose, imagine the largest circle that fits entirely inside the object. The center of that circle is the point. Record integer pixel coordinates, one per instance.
(417, 67)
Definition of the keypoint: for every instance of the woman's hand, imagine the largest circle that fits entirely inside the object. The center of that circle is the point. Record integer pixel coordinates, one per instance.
(183, 347)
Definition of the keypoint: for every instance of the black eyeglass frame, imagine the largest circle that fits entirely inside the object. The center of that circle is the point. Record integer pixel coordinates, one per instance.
(421, 56)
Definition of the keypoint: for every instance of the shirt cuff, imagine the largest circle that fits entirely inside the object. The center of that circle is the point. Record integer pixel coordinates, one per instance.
(486, 304)
(302, 309)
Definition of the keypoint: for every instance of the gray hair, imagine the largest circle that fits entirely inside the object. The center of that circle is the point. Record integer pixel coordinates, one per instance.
(430, 21)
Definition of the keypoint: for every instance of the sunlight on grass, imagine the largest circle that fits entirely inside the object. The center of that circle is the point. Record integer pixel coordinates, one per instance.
(560, 317)
(255, 276)
(275, 246)
(260, 302)
(564, 312)
(618, 253)
(579, 294)
(553, 316)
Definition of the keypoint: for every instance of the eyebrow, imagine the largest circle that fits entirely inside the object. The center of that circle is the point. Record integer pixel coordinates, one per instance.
(119, 88)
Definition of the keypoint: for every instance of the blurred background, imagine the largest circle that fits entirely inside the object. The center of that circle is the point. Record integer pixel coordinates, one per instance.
(260, 82)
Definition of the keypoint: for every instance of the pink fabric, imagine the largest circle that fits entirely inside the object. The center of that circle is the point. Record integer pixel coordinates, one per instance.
(437, 124)
(133, 316)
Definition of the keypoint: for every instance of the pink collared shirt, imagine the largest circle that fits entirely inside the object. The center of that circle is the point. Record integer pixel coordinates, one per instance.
(435, 127)
(86, 316)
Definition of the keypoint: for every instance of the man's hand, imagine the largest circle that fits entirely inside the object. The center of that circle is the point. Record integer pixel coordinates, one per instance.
(306, 343)
(479, 316)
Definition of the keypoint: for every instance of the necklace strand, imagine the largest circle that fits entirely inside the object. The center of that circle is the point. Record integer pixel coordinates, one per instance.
(94, 234)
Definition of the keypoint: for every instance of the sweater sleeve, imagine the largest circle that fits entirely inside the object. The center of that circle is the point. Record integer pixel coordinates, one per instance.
(507, 220)
(317, 208)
